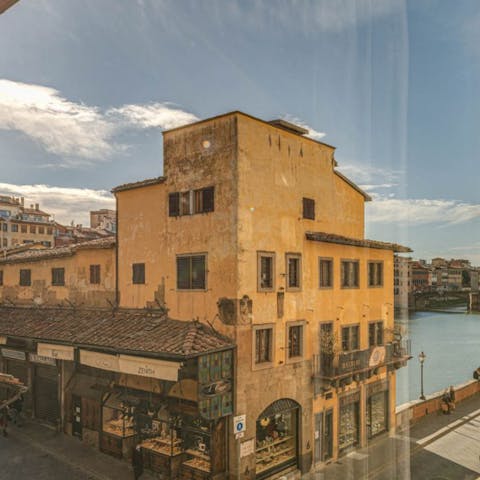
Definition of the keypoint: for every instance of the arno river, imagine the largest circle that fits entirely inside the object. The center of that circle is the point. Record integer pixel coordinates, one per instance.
(451, 342)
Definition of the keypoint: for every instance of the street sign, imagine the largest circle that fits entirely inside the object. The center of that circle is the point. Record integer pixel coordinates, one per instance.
(239, 424)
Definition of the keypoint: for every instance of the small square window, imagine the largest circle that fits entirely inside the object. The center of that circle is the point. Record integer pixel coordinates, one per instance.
(263, 345)
(58, 277)
(25, 277)
(266, 271)
(325, 267)
(309, 208)
(294, 271)
(138, 273)
(191, 272)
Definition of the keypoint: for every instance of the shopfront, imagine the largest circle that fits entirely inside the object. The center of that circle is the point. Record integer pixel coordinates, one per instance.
(15, 363)
(349, 421)
(377, 408)
(277, 430)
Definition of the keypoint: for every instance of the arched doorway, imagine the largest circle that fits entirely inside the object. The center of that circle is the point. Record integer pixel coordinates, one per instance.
(277, 429)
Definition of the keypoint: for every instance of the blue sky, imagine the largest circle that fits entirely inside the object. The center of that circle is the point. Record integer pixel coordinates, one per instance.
(86, 88)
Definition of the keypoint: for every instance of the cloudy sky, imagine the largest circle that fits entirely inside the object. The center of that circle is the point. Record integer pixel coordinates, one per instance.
(86, 88)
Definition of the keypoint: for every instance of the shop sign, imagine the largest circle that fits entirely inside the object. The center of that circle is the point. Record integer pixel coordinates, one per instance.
(59, 352)
(377, 357)
(239, 424)
(348, 399)
(148, 367)
(351, 362)
(247, 448)
(33, 357)
(3, 340)
(377, 387)
(13, 354)
(100, 360)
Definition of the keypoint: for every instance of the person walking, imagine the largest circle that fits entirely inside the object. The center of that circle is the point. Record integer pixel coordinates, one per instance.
(16, 409)
(137, 462)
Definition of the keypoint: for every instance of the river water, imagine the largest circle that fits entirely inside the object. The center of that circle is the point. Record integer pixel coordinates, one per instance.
(451, 343)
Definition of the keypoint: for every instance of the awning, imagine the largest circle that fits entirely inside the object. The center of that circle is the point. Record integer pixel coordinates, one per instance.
(59, 352)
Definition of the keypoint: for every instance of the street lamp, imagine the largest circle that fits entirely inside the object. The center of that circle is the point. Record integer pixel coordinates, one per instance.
(421, 358)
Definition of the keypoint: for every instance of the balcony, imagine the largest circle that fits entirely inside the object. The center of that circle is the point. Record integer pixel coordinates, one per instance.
(343, 368)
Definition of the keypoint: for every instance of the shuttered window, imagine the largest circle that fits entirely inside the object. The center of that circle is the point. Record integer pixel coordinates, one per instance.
(350, 338)
(266, 271)
(294, 271)
(191, 272)
(58, 277)
(263, 345)
(309, 208)
(174, 204)
(375, 274)
(95, 274)
(25, 277)
(350, 273)
(138, 273)
(325, 267)
(1, 278)
(191, 202)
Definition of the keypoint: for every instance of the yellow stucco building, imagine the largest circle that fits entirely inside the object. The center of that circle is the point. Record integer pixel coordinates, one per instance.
(254, 232)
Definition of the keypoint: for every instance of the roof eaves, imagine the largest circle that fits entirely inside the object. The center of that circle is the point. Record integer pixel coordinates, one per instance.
(367, 197)
(140, 184)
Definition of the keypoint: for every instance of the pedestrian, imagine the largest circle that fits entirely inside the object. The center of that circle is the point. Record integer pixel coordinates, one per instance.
(137, 462)
(17, 408)
(446, 402)
(4, 420)
(451, 394)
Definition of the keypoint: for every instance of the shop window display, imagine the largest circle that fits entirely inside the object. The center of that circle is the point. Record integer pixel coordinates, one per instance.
(377, 414)
(276, 443)
(349, 425)
(117, 416)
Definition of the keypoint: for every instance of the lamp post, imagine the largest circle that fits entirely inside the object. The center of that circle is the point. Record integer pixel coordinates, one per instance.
(421, 358)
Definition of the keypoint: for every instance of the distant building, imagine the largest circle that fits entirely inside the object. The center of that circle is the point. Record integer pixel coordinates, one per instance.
(104, 219)
(22, 225)
(420, 275)
(71, 234)
(402, 281)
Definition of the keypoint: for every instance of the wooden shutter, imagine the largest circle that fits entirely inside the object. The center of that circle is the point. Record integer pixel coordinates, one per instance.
(208, 199)
(174, 204)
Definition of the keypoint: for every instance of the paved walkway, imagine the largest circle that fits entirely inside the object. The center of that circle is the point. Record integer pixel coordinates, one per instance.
(439, 447)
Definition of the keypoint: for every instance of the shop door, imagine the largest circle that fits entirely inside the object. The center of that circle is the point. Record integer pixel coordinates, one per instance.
(19, 370)
(46, 394)
(77, 416)
(328, 436)
(318, 437)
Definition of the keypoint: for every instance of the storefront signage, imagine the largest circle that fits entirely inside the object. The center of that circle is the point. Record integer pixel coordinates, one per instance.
(59, 352)
(148, 367)
(3, 340)
(351, 362)
(247, 448)
(239, 424)
(13, 354)
(33, 357)
(377, 357)
(377, 387)
(350, 398)
(100, 360)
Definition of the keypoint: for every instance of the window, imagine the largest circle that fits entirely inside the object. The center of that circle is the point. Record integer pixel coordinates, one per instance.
(5, 242)
(23, 228)
(325, 267)
(58, 277)
(350, 338)
(138, 273)
(263, 345)
(25, 277)
(295, 341)
(185, 203)
(309, 208)
(350, 277)
(33, 229)
(191, 272)
(95, 274)
(1, 278)
(204, 200)
(49, 230)
(5, 227)
(14, 227)
(174, 204)
(41, 230)
(375, 334)
(266, 271)
(294, 272)
(375, 274)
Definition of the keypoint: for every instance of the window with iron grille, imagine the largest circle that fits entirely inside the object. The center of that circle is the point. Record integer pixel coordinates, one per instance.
(58, 277)
(266, 271)
(138, 273)
(95, 274)
(191, 272)
(309, 208)
(295, 341)
(325, 267)
(375, 334)
(350, 338)
(294, 274)
(25, 277)
(375, 274)
(350, 273)
(263, 345)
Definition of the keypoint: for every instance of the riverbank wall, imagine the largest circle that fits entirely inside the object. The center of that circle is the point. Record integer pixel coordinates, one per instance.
(409, 413)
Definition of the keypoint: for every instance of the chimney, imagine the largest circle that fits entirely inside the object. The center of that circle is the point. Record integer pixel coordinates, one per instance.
(37, 206)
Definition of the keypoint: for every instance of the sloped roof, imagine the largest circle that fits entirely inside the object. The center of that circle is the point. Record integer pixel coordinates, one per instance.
(56, 252)
(141, 183)
(143, 331)
(356, 242)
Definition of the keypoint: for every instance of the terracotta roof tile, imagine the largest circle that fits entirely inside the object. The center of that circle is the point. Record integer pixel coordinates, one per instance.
(123, 330)
(142, 183)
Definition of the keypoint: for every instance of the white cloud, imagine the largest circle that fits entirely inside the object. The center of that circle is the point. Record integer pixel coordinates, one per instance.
(76, 132)
(420, 211)
(312, 133)
(66, 204)
(370, 176)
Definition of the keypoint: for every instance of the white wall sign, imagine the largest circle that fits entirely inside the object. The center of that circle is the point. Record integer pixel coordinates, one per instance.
(149, 367)
(100, 360)
(60, 352)
(239, 423)
(14, 354)
(247, 448)
(33, 357)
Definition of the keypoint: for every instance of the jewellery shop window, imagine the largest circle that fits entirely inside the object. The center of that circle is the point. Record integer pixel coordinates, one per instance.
(276, 445)
(198, 445)
(117, 416)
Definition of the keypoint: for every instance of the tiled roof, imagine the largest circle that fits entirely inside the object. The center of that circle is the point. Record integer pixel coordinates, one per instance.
(142, 183)
(124, 330)
(356, 242)
(56, 252)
